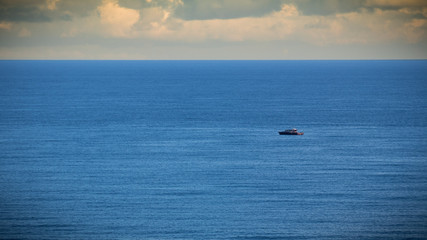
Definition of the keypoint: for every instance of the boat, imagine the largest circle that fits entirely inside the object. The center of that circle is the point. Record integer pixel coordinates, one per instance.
(293, 131)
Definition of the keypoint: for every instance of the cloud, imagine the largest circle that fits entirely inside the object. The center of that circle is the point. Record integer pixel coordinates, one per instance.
(371, 21)
(51, 4)
(325, 7)
(362, 27)
(333, 7)
(415, 30)
(119, 20)
(231, 23)
(396, 3)
(221, 9)
(272, 27)
(69, 33)
(5, 25)
(37, 10)
(157, 20)
(24, 33)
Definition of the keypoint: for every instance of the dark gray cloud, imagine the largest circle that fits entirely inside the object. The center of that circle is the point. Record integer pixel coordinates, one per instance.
(225, 9)
(78, 8)
(22, 10)
(38, 11)
(331, 7)
(24, 14)
(326, 7)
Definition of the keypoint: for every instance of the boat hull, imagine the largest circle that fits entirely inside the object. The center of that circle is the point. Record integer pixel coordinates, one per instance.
(287, 133)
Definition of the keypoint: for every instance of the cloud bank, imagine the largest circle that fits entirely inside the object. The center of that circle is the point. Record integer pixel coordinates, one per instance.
(316, 23)
(118, 20)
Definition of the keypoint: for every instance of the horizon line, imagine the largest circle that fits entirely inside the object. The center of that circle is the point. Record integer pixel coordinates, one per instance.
(356, 59)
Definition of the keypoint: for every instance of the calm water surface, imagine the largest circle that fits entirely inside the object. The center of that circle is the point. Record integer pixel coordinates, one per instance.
(190, 150)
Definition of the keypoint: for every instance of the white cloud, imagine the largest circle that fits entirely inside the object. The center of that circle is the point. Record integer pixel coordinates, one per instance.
(51, 4)
(176, 3)
(118, 20)
(288, 10)
(5, 25)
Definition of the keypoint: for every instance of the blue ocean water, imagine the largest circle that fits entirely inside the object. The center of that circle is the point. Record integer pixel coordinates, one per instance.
(190, 150)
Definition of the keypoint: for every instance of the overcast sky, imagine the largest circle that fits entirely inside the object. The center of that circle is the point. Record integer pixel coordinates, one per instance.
(213, 29)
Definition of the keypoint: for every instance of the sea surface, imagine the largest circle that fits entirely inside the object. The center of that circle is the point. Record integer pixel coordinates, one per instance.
(191, 150)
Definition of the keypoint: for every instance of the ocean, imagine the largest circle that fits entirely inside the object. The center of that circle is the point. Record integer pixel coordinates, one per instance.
(191, 150)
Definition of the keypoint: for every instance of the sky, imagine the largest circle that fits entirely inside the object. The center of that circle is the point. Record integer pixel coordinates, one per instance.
(213, 29)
